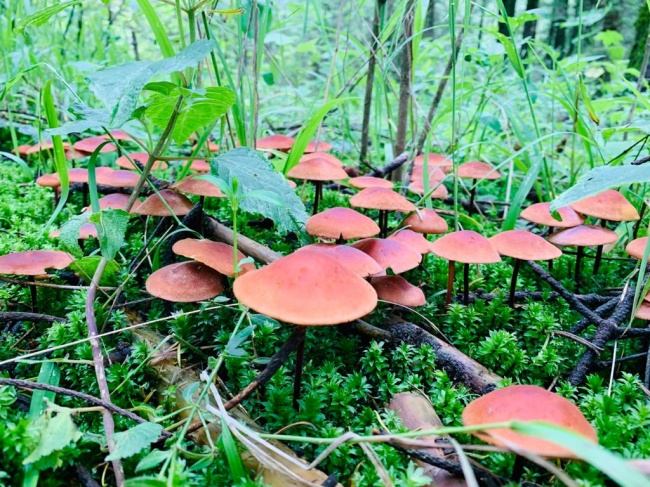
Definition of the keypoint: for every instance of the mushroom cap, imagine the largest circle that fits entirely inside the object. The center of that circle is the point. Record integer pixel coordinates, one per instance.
(153, 206)
(381, 199)
(78, 175)
(34, 262)
(527, 403)
(212, 146)
(524, 245)
(216, 255)
(49, 180)
(185, 282)
(412, 239)
(427, 222)
(478, 170)
(540, 214)
(86, 231)
(608, 205)
(362, 182)
(584, 236)
(317, 169)
(322, 155)
(277, 142)
(306, 288)
(117, 135)
(199, 187)
(71, 154)
(397, 290)
(439, 193)
(434, 160)
(467, 247)
(354, 259)
(317, 146)
(390, 254)
(339, 222)
(199, 165)
(118, 179)
(435, 174)
(142, 158)
(45, 145)
(23, 149)
(116, 201)
(90, 144)
(636, 247)
(643, 313)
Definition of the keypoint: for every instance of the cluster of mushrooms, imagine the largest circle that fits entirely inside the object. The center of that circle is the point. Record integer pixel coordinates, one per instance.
(355, 261)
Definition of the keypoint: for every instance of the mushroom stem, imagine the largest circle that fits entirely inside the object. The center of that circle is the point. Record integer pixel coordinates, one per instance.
(637, 225)
(599, 257)
(33, 292)
(317, 195)
(383, 223)
(466, 284)
(579, 254)
(300, 353)
(513, 282)
(450, 282)
(472, 195)
(518, 468)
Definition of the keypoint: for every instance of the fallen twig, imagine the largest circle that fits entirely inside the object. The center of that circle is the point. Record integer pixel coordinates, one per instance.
(33, 317)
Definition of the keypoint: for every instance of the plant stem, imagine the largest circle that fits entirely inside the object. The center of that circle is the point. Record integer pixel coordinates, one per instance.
(513, 282)
(450, 282)
(300, 354)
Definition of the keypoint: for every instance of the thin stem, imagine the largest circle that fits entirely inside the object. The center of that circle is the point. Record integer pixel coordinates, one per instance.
(472, 195)
(450, 282)
(34, 295)
(466, 284)
(318, 191)
(513, 282)
(579, 255)
(300, 354)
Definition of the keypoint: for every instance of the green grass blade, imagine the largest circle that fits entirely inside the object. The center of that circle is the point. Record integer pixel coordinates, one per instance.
(157, 27)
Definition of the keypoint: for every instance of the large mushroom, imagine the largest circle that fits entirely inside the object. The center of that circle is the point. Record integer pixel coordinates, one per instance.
(306, 288)
(390, 254)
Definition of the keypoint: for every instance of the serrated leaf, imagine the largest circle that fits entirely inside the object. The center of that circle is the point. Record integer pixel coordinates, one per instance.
(134, 440)
(253, 173)
(41, 16)
(111, 228)
(57, 430)
(154, 458)
(600, 179)
(69, 237)
(119, 87)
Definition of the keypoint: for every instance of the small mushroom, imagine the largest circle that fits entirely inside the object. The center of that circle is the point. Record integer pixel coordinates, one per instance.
(476, 171)
(317, 170)
(217, 255)
(397, 290)
(125, 162)
(384, 200)
(317, 146)
(275, 142)
(362, 182)
(322, 155)
(341, 224)
(413, 239)
(89, 145)
(185, 282)
(354, 259)
(390, 254)
(427, 222)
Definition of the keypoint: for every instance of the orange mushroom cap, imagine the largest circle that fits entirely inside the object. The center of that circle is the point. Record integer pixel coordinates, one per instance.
(524, 245)
(217, 255)
(527, 403)
(116, 201)
(90, 144)
(435, 174)
(390, 254)
(478, 170)
(439, 193)
(142, 158)
(397, 290)
(322, 155)
(306, 288)
(185, 282)
(540, 214)
(34, 262)
(467, 247)
(212, 146)
(354, 259)
(636, 247)
(118, 179)
(427, 222)
(199, 165)
(45, 145)
(317, 169)
(277, 142)
(381, 199)
(584, 236)
(608, 205)
(643, 313)
(200, 187)
(362, 182)
(117, 135)
(339, 222)
(153, 206)
(412, 239)
(317, 146)
(434, 160)
(49, 180)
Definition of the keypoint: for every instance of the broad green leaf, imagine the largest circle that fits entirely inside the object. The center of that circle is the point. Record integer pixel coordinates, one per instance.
(600, 179)
(253, 173)
(134, 440)
(308, 131)
(119, 87)
(111, 229)
(153, 459)
(41, 16)
(57, 430)
(87, 266)
(608, 463)
(69, 237)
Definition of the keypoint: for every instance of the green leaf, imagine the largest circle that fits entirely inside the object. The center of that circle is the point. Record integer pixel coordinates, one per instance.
(587, 101)
(511, 52)
(157, 27)
(233, 346)
(134, 440)
(154, 458)
(8, 85)
(111, 229)
(87, 266)
(119, 87)
(50, 375)
(23, 165)
(600, 179)
(41, 16)
(308, 131)
(608, 463)
(57, 430)
(146, 482)
(253, 173)
(69, 237)
(227, 444)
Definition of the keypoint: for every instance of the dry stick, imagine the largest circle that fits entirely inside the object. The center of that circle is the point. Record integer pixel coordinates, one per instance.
(588, 299)
(391, 166)
(370, 81)
(34, 317)
(404, 87)
(79, 395)
(601, 310)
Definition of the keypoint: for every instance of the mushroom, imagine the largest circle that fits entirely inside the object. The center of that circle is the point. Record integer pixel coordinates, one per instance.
(467, 247)
(427, 222)
(384, 200)
(46, 145)
(362, 182)
(306, 288)
(33, 263)
(636, 248)
(217, 255)
(522, 245)
(199, 165)
(118, 179)
(185, 282)
(275, 142)
(89, 145)
(583, 236)
(317, 146)
(397, 290)
(526, 403)
(341, 224)
(87, 231)
(117, 201)
(412, 239)
(434, 161)
(125, 162)
(609, 205)
(476, 171)
(322, 155)
(354, 259)
(154, 206)
(540, 214)
(390, 254)
(317, 170)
